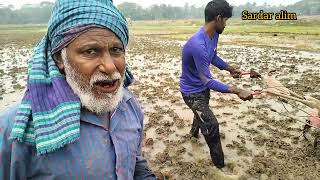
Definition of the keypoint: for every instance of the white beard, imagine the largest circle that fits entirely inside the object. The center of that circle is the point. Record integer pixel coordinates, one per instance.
(106, 102)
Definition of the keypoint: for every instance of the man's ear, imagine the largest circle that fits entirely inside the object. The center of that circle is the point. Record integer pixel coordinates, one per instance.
(58, 60)
(219, 18)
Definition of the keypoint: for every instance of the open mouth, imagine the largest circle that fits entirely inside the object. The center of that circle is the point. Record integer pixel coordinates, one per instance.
(107, 85)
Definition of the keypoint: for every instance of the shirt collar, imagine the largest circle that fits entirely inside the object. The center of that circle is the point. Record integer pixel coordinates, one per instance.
(206, 36)
(98, 120)
(127, 95)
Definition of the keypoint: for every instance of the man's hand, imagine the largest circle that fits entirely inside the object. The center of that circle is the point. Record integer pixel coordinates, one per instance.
(233, 72)
(241, 93)
(245, 95)
(254, 74)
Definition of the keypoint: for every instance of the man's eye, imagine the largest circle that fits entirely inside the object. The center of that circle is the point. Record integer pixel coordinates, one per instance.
(91, 52)
(117, 50)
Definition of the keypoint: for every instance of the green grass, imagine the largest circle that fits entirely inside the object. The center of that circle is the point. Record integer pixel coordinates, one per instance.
(179, 29)
(22, 28)
(21, 35)
(304, 25)
(29, 35)
(288, 29)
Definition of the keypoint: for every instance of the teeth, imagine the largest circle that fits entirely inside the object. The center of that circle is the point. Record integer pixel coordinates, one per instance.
(106, 83)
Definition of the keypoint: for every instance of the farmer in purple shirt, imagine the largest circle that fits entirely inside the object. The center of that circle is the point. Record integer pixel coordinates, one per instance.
(196, 80)
(77, 119)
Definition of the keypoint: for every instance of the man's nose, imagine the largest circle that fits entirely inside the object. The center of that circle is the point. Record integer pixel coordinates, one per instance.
(107, 64)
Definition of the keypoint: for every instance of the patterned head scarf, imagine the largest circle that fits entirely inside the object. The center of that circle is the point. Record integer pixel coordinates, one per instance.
(49, 114)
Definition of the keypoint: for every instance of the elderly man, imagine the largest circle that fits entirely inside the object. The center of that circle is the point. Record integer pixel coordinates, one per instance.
(77, 119)
(196, 80)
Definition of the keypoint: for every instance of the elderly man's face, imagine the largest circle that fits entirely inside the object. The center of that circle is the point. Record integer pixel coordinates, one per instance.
(94, 64)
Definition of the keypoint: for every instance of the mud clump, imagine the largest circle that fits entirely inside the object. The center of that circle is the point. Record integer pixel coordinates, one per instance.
(162, 157)
(287, 164)
(149, 142)
(242, 150)
(179, 123)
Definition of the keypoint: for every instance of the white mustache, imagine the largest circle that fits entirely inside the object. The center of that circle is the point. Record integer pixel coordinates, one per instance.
(102, 77)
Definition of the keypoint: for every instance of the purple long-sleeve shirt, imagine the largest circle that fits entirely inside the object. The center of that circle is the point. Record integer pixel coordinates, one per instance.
(105, 150)
(197, 55)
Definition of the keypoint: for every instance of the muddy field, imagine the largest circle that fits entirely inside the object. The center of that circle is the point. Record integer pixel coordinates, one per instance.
(258, 143)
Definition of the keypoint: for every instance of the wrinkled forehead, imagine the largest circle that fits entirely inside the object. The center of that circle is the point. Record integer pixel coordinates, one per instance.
(71, 18)
(101, 36)
(84, 33)
(100, 33)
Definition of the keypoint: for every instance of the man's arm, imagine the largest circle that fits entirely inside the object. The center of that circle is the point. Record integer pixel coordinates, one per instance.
(202, 63)
(142, 171)
(219, 63)
(222, 65)
(12, 154)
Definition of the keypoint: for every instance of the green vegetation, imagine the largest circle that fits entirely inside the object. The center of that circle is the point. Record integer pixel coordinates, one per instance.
(28, 14)
(301, 34)
(155, 12)
(40, 13)
(304, 26)
(22, 28)
(314, 30)
(22, 35)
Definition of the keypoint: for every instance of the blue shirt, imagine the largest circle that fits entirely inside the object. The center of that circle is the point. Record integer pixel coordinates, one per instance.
(197, 55)
(105, 150)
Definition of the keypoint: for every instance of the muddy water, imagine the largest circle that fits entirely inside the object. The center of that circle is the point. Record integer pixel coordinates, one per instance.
(13, 68)
(257, 142)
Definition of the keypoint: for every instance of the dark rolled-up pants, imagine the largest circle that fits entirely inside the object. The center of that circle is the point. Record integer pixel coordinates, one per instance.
(205, 120)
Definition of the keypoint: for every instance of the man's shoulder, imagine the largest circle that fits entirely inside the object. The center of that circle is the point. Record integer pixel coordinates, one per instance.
(132, 101)
(9, 112)
(216, 35)
(7, 117)
(197, 40)
(128, 96)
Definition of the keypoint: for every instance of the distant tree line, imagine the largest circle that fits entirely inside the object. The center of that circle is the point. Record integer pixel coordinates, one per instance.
(27, 14)
(163, 11)
(304, 7)
(136, 12)
(40, 13)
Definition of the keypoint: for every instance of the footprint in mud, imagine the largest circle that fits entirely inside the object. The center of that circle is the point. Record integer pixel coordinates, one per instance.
(162, 157)
(222, 123)
(222, 135)
(229, 168)
(242, 150)
(149, 142)
(251, 122)
(179, 123)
